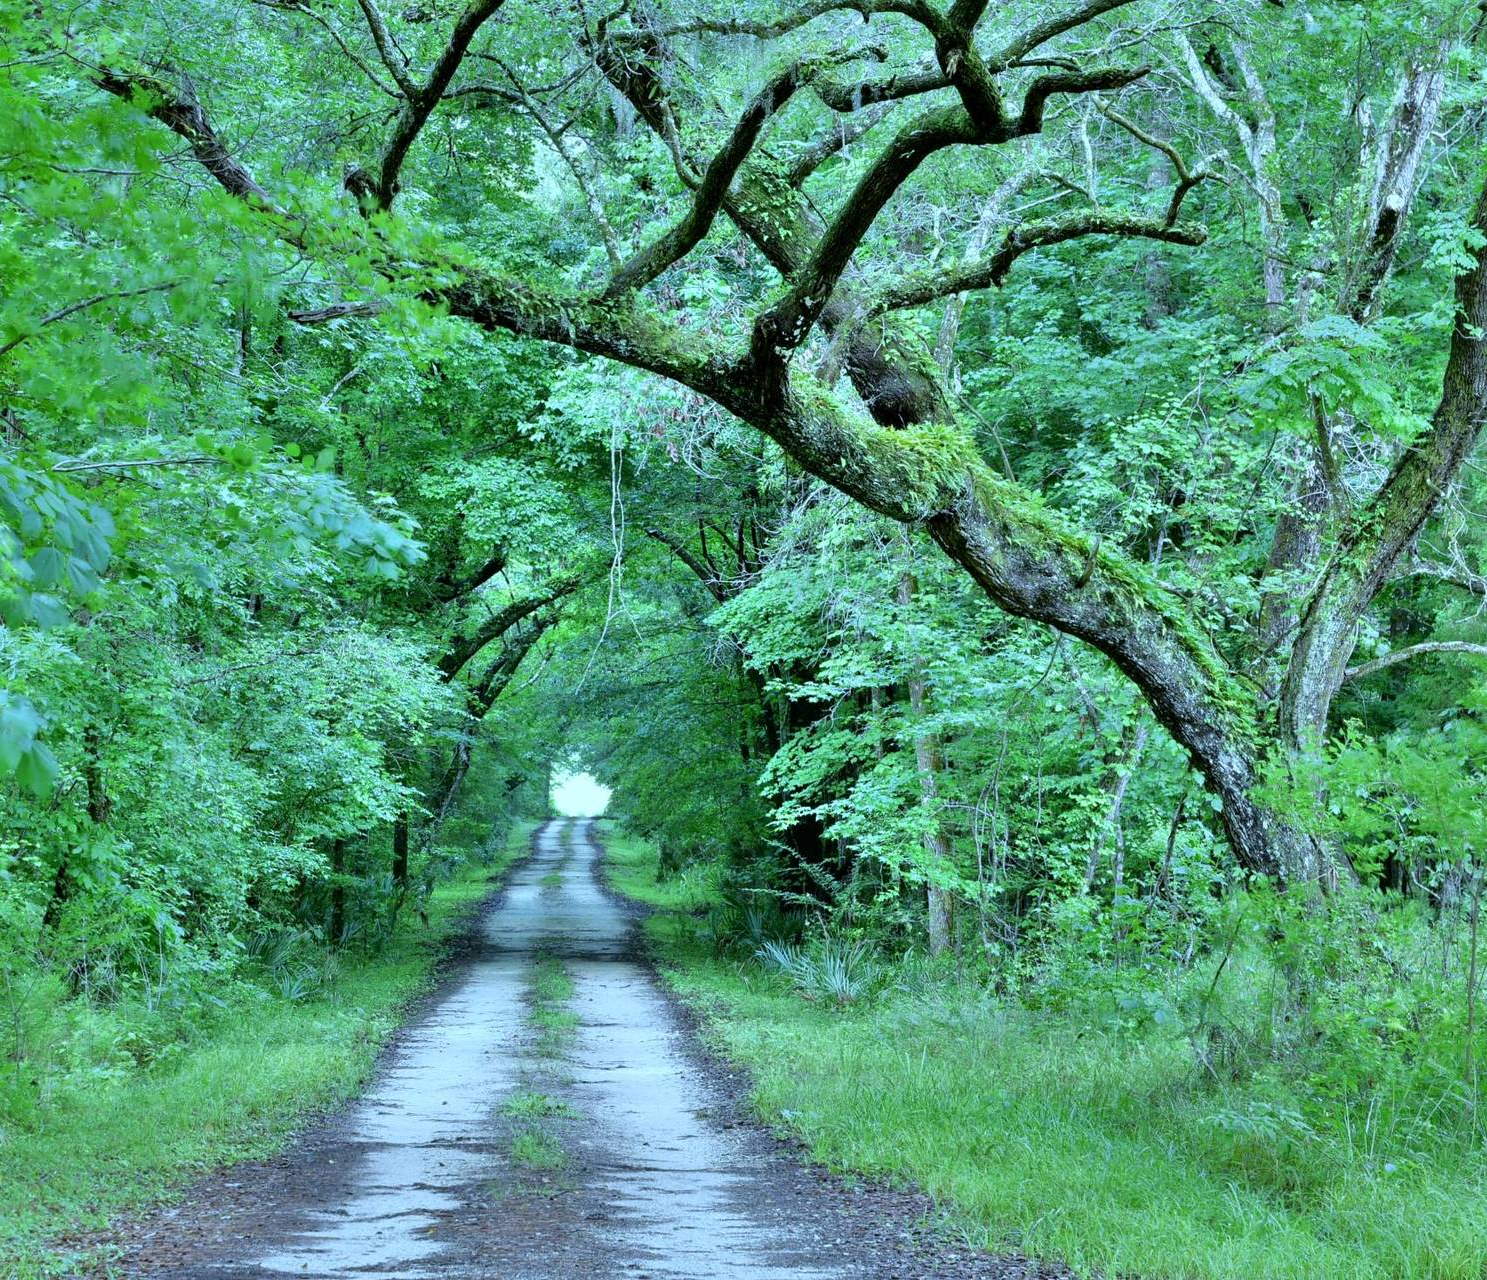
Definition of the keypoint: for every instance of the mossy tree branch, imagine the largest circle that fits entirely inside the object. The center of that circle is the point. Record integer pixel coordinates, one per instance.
(1385, 528)
(464, 647)
(679, 240)
(993, 271)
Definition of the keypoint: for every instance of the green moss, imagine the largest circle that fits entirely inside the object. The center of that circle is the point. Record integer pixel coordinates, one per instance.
(934, 467)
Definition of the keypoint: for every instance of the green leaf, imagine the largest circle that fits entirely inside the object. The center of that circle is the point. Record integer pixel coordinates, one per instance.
(48, 564)
(37, 771)
(47, 611)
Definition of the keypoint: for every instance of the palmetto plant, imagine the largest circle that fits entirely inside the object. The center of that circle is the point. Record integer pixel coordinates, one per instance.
(831, 969)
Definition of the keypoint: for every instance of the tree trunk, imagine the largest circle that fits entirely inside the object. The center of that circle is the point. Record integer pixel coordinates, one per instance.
(1384, 530)
(928, 764)
(1120, 781)
(400, 852)
(337, 892)
(99, 806)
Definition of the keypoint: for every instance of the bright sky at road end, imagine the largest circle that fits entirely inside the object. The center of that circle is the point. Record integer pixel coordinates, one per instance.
(578, 795)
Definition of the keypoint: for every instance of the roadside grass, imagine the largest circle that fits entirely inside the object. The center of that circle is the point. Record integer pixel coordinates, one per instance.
(102, 1145)
(1051, 1133)
(534, 1146)
(552, 984)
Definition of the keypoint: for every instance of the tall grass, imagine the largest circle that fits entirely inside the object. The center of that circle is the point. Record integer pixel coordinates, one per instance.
(1210, 1129)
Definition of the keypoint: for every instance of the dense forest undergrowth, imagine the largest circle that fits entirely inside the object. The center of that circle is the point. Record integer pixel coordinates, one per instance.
(996, 491)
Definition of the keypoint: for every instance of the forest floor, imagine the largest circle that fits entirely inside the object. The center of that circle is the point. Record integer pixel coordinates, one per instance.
(548, 1114)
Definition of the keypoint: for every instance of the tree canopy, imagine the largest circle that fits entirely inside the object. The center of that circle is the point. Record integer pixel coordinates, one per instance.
(961, 465)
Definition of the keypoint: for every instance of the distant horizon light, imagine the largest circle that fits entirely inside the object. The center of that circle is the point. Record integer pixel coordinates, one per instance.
(578, 795)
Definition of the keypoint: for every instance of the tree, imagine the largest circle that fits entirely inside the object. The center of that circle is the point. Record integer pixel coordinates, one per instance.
(892, 441)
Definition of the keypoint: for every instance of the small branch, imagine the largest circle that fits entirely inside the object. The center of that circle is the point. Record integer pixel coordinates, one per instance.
(705, 572)
(73, 308)
(128, 464)
(992, 271)
(396, 65)
(1410, 651)
(335, 311)
(1068, 184)
(419, 102)
(559, 143)
(1463, 579)
(1186, 178)
(296, 6)
(450, 589)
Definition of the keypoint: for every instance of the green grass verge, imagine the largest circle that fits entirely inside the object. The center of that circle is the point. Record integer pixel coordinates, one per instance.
(238, 1091)
(1042, 1132)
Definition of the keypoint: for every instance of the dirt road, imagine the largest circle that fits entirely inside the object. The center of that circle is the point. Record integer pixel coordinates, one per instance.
(547, 1117)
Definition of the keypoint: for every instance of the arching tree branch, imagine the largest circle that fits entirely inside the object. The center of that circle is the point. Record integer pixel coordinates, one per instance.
(674, 244)
(1025, 42)
(704, 572)
(466, 646)
(396, 66)
(1411, 651)
(178, 109)
(993, 271)
(785, 325)
(841, 135)
(849, 96)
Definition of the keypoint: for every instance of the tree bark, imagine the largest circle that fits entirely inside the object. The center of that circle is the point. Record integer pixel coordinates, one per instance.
(337, 892)
(400, 852)
(927, 764)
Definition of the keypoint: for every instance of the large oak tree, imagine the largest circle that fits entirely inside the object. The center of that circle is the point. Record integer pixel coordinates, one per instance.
(819, 360)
